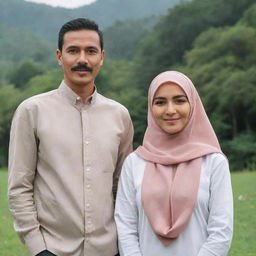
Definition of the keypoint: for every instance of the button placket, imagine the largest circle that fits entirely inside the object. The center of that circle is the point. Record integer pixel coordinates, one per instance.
(87, 175)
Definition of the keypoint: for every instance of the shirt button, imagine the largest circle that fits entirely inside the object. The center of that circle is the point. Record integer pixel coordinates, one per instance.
(88, 169)
(86, 142)
(88, 185)
(87, 205)
(89, 221)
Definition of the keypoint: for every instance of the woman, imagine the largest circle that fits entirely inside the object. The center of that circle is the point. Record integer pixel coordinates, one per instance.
(174, 195)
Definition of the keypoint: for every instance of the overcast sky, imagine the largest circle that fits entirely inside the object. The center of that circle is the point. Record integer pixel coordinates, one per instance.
(63, 3)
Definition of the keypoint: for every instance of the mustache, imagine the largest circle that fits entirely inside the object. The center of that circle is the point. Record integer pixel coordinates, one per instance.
(82, 67)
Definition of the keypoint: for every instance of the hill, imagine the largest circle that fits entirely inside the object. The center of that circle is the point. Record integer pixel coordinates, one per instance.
(46, 21)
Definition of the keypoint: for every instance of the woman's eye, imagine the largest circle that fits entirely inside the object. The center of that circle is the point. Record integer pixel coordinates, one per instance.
(181, 100)
(159, 102)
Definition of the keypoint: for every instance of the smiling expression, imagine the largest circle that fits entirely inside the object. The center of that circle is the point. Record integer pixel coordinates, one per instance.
(81, 57)
(171, 108)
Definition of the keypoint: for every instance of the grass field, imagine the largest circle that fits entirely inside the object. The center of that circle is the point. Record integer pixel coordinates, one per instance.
(244, 240)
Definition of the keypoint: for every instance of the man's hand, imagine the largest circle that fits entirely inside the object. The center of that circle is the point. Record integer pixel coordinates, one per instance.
(45, 253)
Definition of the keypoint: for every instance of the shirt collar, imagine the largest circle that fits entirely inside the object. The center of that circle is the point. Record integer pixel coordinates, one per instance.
(73, 98)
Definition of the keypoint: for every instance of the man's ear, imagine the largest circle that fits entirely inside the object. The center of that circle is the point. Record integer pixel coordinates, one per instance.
(103, 55)
(59, 57)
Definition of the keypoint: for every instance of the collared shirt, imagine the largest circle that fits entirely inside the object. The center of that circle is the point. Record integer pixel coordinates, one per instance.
(65, 156)
(210, 228)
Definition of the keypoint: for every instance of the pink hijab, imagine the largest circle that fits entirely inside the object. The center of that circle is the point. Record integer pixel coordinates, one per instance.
(172, 173)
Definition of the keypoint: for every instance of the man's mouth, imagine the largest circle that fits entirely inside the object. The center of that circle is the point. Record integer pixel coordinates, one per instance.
(82, 68)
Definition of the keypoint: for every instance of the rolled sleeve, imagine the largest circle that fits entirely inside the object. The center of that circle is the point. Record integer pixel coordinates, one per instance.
(21, 174)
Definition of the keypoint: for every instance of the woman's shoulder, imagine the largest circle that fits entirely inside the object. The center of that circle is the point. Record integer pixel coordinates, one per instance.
(215, 161)
(215, 157)
(133, 158)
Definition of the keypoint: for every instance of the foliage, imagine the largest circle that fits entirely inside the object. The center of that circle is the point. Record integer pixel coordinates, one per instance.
(9, 98)
(249, 17)
(241, 151)
(24, 55)
(175, 33)
(222, 66)
(43, 83)
(22, 73)
(19, 44)
(46, 21)
(213, 42)
(117, 82)
(123, 37)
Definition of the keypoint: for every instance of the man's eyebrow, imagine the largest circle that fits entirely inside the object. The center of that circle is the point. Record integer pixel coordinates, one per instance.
(71, 47)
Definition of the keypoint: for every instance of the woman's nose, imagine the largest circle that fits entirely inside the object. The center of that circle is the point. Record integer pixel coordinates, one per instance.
(171, 108)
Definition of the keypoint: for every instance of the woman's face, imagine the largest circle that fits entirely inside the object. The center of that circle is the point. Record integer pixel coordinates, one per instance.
(171, 108)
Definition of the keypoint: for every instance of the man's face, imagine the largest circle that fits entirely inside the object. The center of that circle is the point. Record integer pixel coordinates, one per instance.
(81, 57)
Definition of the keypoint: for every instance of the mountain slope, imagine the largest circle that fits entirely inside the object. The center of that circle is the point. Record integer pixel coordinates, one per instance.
(46, 21)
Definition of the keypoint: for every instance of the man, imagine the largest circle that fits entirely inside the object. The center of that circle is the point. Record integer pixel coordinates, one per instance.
(66, 150)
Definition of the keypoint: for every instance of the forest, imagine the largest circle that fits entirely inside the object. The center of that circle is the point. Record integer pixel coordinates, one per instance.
(212, 42)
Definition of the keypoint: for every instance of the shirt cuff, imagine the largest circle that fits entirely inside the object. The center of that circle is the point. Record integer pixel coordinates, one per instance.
(35, 244)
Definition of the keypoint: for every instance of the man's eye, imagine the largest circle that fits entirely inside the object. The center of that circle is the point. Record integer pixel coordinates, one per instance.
(72, 51)
(92, 51)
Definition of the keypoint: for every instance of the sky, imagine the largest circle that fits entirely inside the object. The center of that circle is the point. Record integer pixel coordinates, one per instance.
(63, 3)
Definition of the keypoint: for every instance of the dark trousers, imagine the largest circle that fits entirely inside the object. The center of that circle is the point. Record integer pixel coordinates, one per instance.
(47, 253)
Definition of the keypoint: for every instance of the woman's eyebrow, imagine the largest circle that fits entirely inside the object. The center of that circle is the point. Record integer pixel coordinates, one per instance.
(159, 97)
(180, 96)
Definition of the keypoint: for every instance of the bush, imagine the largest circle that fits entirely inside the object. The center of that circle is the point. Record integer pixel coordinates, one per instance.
(241, 152)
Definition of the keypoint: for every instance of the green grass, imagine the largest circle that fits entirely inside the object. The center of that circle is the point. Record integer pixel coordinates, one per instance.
(10, 244)
(244, 189)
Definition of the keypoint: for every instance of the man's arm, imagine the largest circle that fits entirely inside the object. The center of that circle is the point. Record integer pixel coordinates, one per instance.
(125, 148)
(21, 175)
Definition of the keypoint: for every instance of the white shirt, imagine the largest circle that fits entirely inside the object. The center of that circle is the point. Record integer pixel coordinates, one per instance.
(209, 231)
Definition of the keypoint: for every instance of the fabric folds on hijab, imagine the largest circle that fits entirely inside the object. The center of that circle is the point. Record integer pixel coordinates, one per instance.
(172, 173)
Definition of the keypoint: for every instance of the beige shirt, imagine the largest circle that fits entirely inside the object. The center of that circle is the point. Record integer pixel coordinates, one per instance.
(64, 159)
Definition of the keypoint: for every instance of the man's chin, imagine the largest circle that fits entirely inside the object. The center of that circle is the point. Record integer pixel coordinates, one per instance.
(82, 82)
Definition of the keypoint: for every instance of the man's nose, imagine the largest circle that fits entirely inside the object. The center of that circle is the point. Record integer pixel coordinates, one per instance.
(82, 58)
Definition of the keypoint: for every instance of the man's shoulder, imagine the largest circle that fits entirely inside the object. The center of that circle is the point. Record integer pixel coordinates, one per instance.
(111, 103)
(36, 99)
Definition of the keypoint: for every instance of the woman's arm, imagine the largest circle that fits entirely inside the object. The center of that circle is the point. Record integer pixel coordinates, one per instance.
(126, 213)
(220, 222)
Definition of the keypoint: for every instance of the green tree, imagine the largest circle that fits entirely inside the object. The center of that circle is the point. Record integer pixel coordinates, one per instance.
(43, 83)
(123, 37)
(9, 99)
(175, 33)
(24, 72)
(222, 66)
(116, 81)
(249, 17)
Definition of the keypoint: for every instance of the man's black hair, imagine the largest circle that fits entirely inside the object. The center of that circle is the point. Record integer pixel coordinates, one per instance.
(79, 24)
